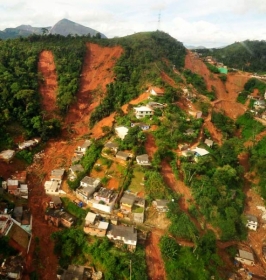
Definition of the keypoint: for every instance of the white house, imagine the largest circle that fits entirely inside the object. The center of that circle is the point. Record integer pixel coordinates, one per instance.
(252, 222)
(52, 187)
(121, 131)
(245, 257)
(7, 155)
(200, 151)
(83, 148)
(143, 159)
(128, 235)
(143, 111)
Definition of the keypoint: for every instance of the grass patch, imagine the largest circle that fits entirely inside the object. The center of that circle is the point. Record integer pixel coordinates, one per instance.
(137, 183)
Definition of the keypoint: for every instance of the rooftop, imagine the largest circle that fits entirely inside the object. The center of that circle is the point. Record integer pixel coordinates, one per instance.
(90, 181)
(86, 144)
(246, 255)
(200, 151)
(90, 218)
(143, 108)
(76, 168)
(58, 172)
(128, 199)
(128, 233)
(7, 154)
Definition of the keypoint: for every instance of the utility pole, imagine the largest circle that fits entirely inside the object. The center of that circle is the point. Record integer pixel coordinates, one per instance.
(130, 270)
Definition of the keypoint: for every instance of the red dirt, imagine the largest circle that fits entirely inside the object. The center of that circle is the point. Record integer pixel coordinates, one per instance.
(48, 87)
(155, 266)
(96, 74)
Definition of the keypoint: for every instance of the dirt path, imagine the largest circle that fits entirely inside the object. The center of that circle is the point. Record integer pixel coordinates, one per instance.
(48, 86)
(155, 266)
(96, 74)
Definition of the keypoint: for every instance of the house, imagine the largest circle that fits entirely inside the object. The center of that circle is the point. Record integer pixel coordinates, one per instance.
(125, 234)
(127, 201)
(57, 174)
(77, 272)
(200, 151)
(121, 131)
(198, 115)
(7, 155)
(21, 176)
(83, 148)
(104, 195)
(155, 105)
(245, 257)
(88, 186)
(5, 224)
(12, 186)
(252, 222)
(23, 218)
(111, 146)
(27, 144)
(161, 205)
(156, 91)
(143, 126)
(76, 158)
(94, 226)
(55, 202)
(52, 187)
(122, 155)
(208, 142)
(23, 191)
(59, 217)
(75, 170)
(143, 159)
(143, 111)
(259, 104)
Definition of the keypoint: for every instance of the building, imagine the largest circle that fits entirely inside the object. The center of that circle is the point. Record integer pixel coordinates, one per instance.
(23, 191)
(161, 205)
(77, 272)
(52, 187)
(23, 218)
(208, 142)
(252, 222)
(156, 91)
(259, 104)
(245, 257)
(12, 268)
(155, 105)
(122, 155)
(143, 111)
(7, 155)
(104, 195)
(75, 170)
(76, 158)
(28, 144)
(57, 174)
(83, 148)
(59, 217)
(94, 226)
(125, 234)
(199, 152)
(143, 159)
(127, 201)
(111, 146)
(143, 126)
(88, 186)
(12, 186)
(121, 131)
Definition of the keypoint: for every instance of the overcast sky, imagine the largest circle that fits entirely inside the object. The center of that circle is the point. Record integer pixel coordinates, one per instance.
(209, 23)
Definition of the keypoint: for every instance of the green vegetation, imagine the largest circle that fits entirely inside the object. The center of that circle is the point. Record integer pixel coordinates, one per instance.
(73, 209)
(224, 123)
(249, 127)
(213, 68)
(73, 247)
(198, 82)
(5, 249)
(140, 64)
(201, 262)
(246, 56)
(258, 161)
(25, 155)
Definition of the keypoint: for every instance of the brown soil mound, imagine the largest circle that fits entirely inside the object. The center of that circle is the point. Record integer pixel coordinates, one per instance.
(96, 74)
(48, 86)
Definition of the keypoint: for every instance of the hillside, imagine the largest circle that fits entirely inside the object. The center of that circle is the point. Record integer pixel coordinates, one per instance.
(81, 88)
(247, 56)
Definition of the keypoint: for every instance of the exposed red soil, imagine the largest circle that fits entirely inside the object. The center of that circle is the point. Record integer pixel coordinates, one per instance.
(155, 266)
(150, 145)
(48, 86)
(96, 74)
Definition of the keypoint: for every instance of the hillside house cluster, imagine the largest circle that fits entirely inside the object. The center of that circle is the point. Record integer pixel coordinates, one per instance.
(17, 184)
(79, 153)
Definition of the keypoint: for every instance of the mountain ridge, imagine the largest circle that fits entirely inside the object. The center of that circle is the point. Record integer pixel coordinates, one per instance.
(63, 27)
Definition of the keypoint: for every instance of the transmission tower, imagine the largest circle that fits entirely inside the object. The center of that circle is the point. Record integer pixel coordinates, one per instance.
(159, 21)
